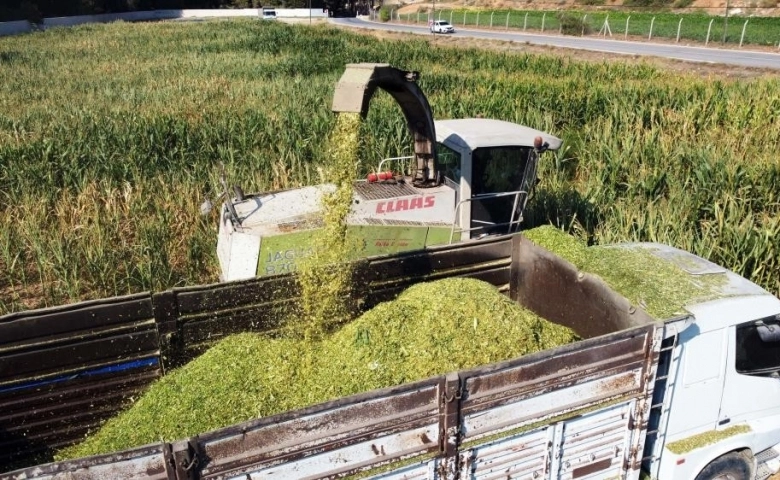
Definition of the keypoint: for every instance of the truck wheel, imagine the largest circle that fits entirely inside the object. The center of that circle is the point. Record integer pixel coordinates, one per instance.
(732, 466)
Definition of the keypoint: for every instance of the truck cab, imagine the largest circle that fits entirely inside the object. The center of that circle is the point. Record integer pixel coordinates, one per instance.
(718, 390)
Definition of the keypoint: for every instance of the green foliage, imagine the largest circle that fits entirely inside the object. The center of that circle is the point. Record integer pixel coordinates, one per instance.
(682, 3)
(430, 329)
(591, 3)
(35, 10)
(695, 26)
(384, 13)
(572, 24)
(655, 4)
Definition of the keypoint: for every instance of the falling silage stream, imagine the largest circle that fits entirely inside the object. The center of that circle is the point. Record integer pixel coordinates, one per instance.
(325, 277)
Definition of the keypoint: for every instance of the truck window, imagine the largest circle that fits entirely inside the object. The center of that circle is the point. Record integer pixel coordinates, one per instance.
(758, 347)
(449, 162)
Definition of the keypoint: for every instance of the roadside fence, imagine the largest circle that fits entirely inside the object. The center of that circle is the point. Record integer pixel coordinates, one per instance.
(699, 28)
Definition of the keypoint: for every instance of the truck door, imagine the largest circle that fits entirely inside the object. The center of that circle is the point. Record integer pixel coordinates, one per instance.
(498, 170)
(752, 388)
(698, 395)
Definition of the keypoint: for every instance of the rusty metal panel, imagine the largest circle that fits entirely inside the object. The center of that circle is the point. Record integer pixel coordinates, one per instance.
(556, 368)
(221, 296)
(200, 332)
(60, 412)
(49, 324)
(523, 457)
(348, 435)
(439, 260)
(549, 405)
(47, 342)
(64, 370)
(552, 383)
(143, 463)
(205, 314)
(554, 289)
(78, 352)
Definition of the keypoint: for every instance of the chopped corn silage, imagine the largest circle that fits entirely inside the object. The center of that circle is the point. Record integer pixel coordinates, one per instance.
(431, 328)
(659, 287)
(706, 438)
(325, 277)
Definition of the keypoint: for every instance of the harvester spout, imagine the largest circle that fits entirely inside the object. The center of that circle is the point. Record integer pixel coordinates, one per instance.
(353, 94)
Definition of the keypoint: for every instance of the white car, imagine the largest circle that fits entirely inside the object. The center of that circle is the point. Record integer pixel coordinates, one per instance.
(269, 14)
(442, 26)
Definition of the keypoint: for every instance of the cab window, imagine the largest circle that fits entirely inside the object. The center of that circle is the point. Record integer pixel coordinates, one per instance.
(758, 347)
(448, 161)
(496, 170)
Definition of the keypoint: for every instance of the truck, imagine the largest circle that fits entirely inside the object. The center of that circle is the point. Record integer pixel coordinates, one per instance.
(695, 396)
(468, 178)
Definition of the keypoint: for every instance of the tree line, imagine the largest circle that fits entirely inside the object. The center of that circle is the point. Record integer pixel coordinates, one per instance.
(36, 10)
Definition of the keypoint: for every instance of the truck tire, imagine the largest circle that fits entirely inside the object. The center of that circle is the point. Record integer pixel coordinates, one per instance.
(731, 466)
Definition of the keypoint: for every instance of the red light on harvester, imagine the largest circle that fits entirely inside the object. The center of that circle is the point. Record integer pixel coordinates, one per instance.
(375, 177)
(680, 461)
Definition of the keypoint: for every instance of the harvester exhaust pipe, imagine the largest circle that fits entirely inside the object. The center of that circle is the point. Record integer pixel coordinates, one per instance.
(353, 94)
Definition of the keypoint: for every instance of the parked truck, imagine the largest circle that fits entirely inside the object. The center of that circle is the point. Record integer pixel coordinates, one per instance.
(691, 397)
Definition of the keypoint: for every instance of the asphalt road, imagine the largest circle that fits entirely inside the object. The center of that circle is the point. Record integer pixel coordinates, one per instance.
(743, 58)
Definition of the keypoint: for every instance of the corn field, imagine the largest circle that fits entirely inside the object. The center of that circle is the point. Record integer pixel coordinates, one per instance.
(112, 135)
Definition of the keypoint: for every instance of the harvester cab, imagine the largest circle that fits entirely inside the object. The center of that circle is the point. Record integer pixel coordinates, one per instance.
(468, 178)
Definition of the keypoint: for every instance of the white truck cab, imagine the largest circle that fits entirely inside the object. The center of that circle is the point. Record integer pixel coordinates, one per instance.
(717, 393)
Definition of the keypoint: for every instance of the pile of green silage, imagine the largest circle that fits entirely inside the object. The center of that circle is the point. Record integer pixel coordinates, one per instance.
(430, 329)
(660, 288)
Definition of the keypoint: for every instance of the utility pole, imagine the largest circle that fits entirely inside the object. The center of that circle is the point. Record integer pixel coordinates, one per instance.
(432, 20)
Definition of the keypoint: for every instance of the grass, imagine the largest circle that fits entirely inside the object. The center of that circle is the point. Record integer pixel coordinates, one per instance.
(430, 329)
(111, 135)
(694, 26)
